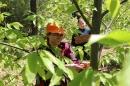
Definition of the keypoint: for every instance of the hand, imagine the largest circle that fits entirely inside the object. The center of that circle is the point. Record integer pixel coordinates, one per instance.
(79, 66)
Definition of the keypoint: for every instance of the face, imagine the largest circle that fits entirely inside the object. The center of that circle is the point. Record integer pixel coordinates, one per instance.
(54, 39)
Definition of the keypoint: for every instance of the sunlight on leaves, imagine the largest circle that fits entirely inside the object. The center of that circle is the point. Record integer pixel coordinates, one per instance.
(16, 25)
(31, 67)
(47, 62)
(113, 6)
(59, 64)
(115, 38)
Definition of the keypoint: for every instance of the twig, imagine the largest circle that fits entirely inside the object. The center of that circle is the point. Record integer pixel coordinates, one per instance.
(81, 13)
(104, 25)
(110, 24)
(6, 44)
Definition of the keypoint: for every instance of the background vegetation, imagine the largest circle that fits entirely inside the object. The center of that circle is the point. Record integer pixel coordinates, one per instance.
(22, 31)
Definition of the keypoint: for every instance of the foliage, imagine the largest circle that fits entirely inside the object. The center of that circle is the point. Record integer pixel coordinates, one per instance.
(83, 78)
(20, 54)
(113, 6)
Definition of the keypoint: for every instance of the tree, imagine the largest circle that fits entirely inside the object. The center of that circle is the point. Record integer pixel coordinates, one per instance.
(19, 47)
(95, 27)
(33, 6)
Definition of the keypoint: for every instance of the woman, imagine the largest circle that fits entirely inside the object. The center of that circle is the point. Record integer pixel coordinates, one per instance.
(55, 35)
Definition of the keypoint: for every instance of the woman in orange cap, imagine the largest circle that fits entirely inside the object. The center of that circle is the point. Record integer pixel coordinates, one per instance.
(55, 36)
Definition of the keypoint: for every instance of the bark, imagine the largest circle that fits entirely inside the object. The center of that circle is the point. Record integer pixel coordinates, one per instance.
(96, 24)
(33, 7)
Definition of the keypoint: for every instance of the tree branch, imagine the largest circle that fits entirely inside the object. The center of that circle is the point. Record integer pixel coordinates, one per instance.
(3, 43)
(81, 13)
(104, 25)
(105, 12)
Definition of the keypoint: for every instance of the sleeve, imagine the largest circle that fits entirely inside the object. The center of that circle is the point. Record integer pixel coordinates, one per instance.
(67, 51)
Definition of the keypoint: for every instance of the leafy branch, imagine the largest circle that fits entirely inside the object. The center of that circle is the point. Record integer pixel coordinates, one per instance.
(6, 44)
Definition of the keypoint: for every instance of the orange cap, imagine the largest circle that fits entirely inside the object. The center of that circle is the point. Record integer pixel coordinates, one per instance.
(53, 28)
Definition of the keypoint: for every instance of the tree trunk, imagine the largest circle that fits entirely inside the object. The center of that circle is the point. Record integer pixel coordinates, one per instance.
(96, 24)
(33, 6)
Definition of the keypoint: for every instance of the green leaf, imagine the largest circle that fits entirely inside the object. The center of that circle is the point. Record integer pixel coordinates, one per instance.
(59, 64)
(113, 6)
(41, 21)
(41, 72)
(77, 80)
(31, 17)
(55, 80)
(34, 41)
(16, 25)
(107, 75)
(2, 5)
(2, 34)
(84, 78)
(48, 75)
(28, 75)
(88, 78)
(115, 38)
(6, 13)
(47, 62)
(31, 67)
(81, 53)
(32, 60)
(23, 43)
(13, 34)
(1, 18)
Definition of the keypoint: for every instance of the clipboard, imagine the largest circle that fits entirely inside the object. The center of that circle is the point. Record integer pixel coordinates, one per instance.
(81, 39)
